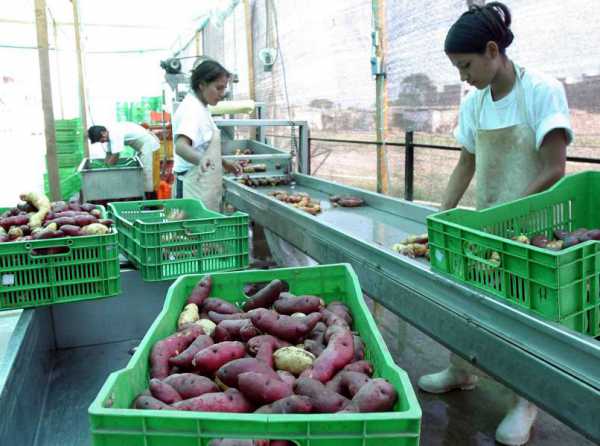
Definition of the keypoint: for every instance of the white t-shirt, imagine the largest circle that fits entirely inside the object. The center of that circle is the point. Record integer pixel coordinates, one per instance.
(192, 119)
(121, 134)
(545, 103)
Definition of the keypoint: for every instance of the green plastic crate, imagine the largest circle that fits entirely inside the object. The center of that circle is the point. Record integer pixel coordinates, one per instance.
(70, 147)
(67, 124)
(162, 249)
(114, 424)
(561, 286)
(69, 159)
(69, 185)
(87, 269)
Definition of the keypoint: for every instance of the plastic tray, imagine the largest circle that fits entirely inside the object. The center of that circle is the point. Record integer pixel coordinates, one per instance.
(561, 286)
(114, 424)
(162, 248)
(88, 269)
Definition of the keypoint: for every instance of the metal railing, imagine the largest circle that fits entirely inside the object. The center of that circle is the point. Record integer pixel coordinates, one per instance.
(409, 155)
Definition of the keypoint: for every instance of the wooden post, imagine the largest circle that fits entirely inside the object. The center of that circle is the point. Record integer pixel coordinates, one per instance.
(380, 99)
(250, 50)
(82, 101)
(57, 65)
(46, 85)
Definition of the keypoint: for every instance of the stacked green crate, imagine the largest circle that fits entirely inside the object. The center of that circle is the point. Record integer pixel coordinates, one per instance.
(69, 150)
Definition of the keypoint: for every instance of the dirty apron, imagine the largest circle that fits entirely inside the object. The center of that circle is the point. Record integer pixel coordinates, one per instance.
(205, 181)
(506, 161)
(145, 147)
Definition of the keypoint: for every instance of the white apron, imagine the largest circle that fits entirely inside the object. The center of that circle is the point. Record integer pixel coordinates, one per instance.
(205, 181)
(506, 159)
(145, 147)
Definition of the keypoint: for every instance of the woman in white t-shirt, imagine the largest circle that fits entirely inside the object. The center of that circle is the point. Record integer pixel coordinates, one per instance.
(198, 164)
(514, 130)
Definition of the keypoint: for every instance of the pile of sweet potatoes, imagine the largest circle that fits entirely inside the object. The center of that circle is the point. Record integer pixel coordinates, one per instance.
(38, 219)
(561, 239)
(278, 353)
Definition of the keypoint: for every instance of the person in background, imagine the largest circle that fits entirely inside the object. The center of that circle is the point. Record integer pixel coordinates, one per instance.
(198, 163)
(122, 134)
(514, 128)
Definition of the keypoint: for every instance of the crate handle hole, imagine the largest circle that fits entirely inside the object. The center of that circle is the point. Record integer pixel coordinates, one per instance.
(152, 207)
(52, 251)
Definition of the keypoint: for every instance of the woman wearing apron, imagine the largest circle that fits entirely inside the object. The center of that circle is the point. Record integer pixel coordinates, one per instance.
(514, 128)
(198, 164)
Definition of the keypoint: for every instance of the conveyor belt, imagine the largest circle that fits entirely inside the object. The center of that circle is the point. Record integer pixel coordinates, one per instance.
(557, 369)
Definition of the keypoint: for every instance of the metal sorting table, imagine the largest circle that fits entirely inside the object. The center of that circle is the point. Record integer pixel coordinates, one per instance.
(556, 368)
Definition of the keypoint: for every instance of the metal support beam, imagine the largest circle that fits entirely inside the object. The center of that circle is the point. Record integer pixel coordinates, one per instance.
(81, 79)
(47, 106)
(409, 166)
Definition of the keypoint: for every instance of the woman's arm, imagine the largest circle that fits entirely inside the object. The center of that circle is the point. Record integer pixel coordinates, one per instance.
(183, 148)
(553, 152)
(459, 180)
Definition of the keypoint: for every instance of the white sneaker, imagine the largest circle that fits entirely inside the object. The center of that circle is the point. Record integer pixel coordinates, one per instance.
(446, 380)
(515, 428)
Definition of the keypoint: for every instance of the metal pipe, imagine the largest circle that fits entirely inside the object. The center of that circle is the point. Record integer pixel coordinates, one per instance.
(409, 166)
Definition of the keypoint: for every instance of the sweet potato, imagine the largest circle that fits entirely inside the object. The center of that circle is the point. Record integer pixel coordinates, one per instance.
(47, 234)
(189, 385)
(235, 330)
(163, 391)
(338, 353)
(74, 204)
(41, 203)
(228, 374)
(352, 382)
(265, 297)
(293, 359)
(359, 348)
(291, 404)
(84, 220)
(539, 240)
(284, 327)
(314, 347)
(262, 389)
(219, 317)
(318, 332)
(188, 315)
(150, 403)
(560, 234)
(210, 359)
(185, 358)
(340, 309)
(106, 222)
(238, 442)
(282, 443)
(330, 318)
(265, 354)
(333, 329)
(255, 343)
(201, 291)
(570, 240)
(219, 306)
(593, 234)
(286, 377)
(323, 399)
(15, 233)
(232, 401)
(377, 395)
(61, 221)
(168, 347)
(87, 207)
(58, 206)
(71, 230)
(289, 304)
(363, 366)
(17, 220)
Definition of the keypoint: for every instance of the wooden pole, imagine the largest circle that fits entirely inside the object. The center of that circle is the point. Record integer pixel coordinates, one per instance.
(250, 50)
(57, 65)
(82, 101)
(381, 99)
(41, 27)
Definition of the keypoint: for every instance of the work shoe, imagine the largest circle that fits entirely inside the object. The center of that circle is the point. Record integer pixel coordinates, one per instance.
(515, 428)
(446, 380)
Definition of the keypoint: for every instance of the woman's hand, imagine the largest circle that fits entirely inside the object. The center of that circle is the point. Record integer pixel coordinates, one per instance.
(233, 168)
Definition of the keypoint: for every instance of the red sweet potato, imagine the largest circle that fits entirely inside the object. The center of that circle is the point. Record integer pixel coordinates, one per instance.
(290, 304)
(228, 374)
(235, 330)
(331, 318)
(359, 348)
(286, 377)
(292, 329)
(593, 234)
(338, 353)
(219, 306)
(88, 207)
(263, 389)
(341, 310)
(189, 385)
(185, 358)
(377, 395)
(84, 220)
(323, 399)
(210, 359)
(363, 366)
(238, 442)
(264, 297)
(220, 317)
(291, 404)
(232, 401)
(164, 392)
(168, 347)
(255, 343)
(314, 347)
(71, 230)
(352, 382)
(201, 291)
(62, 221)
(150, 403)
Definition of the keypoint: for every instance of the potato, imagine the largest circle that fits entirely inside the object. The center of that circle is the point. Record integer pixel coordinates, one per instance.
(185, 358)
(41, 203)
(299, 315)
(235, 330)
(188, 315)
(284, 327)
(265, 297)
(293, 359)
(150, 403)
(207, 325)
(15, 233)
(290, 304)
(219, 306)
(94, 229)
(168, 347)
(263, 389)
(228, 374)
(323, 399)
(363, 366)
(164, 392)
(377, 395)
(291, 404)
(338, 353)
(555, 245)
(201, 291)
(210, 359)
(232, 401)
(219, 317)
(189, 385)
